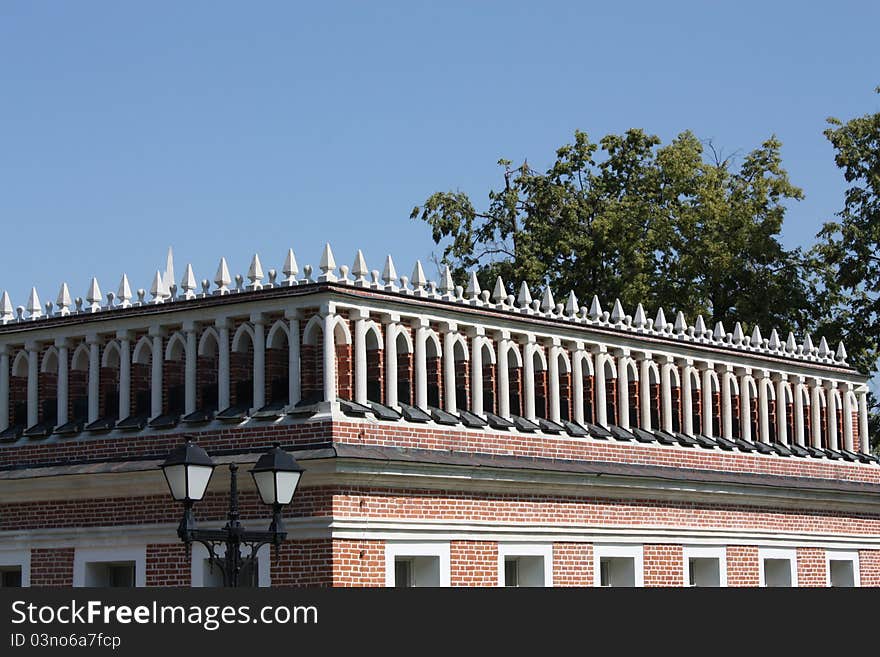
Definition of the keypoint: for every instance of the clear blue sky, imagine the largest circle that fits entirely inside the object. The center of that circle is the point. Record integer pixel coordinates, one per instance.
(232, 128)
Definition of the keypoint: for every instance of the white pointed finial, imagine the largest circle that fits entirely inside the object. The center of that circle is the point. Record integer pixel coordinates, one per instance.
(824, 350)
(738, 335)
(660, 320)
(791, 343)
(168, 276)
(188, 283)
(617, 314)
(807, 347)
(774, 343)
(255, 273)
(63, 301)
(547, 303)
(33, 304)
(595, 309)
(699, 327)
(499, 294)
(419, 280)
(473, 288)
(222, 279)
(359, 270)
(327, 265)
(290, 268)
(571, 305)
(719, 335)
(389, 275)
(447, 285)
(639, 319)
(7, 312)
(841, 352)
(93, 296)
(157, 289)
(757, 340)
(123, 294)
(524, 300)
(680, 323)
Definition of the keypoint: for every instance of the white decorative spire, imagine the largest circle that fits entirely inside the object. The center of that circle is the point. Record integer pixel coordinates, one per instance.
(290, 268)
(547, 304)
(824, 350)
(389, 275)
(680, 323)
(617, 314)
(699, 327)
(359, 270)
(63, 301)
(571, 305)
(719, 334)
(499, 294)
(660, 320)
(524, 299)
(255, 273)
(419, 281)
(222, 278)
(774, 343)
(123, 294)
(33, 304)
(757, 340)
(595, 309)
(738, 335)
(807, 347)
(639, 319)
(188, 283)
(93, 296)
(168, 276)
(7, 312)
(841, 352)
(473, 288)
(327, 265)
(791, 343)
(157, 289)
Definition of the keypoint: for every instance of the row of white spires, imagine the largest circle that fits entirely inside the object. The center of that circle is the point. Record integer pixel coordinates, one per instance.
(164, 290)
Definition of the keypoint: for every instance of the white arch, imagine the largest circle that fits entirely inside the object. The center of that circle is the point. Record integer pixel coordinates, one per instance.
(143, 351)
(734, 383)
(49, 365)
(632, 370)
(537, 351)
(432, 343)
(804, 391)
(608, 361)
(675, 377)
(20, 364)
(313, 328)
(789, 397)
(562, 356)
(516, 361)
(341, 332)
(771, 389)
(244, 329)
(80, 359)
(112, 354)
(751, 388)
(459, 345)
(208, 335)
(401, 332)
(694, 375)
(839, 405)
(374, 330)
(486, 344)
(653, 372)
(273, 338)
(583, 356)
(714, 384)
(176, 347)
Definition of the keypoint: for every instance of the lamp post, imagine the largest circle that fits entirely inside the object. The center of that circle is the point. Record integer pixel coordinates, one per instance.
(188, 471)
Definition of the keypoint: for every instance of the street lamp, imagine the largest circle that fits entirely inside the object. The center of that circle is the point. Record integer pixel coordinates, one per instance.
(188, 471)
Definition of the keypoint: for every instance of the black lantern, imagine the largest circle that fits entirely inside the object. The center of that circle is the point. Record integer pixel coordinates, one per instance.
(276, 476)
(188, 470)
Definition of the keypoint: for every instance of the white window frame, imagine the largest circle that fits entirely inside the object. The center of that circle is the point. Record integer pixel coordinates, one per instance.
(427, 549)
(719, 553)
(526, 550)
(83, 556)
(634, 552)
(200, 555)
(837, 555)
(20, 558)
(778, 553)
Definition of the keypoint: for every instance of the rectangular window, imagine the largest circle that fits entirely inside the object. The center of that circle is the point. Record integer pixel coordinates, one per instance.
(119, 574)
(15, 568)
(10, 577)
(526, 564)
(842, 568)
(110, 567)
(778, 568)
(705, 566)
(618, 565)
(416, 564)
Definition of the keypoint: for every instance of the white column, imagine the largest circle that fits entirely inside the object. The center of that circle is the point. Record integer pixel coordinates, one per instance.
(781, 410)
(476, 373)
(687, 404)
(449, 397)
(33, 389)
(189, 376)
(528, 378)
(156, 373)
(4, 387)
(577, 384)
(391, 329)
(294, 380)
(763, 408)
(645, 393)
(847, 417)
(599, 401)
(864, 438)
(420, 365)
(124, 338)
(222, 326)
(502, 375)
(553, 382)
(330, 391)
(62, 390)
(622, 392)
(830, 387)
(816, 412)
(259, 323)
(94, 376)
(726, 403)
(666, 392)
(745, 407)
(360, 354)
(798, 410)
(708, 400)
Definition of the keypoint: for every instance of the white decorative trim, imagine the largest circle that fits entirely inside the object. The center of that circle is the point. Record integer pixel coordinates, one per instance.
(841, 555)
(719, 552)
(18, 557)
(776, 553)
(634, 552)
(545, 551)
(84, 556)
(427, 549)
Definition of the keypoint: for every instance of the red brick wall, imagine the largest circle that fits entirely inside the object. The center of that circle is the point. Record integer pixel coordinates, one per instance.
(742, 566)
(572, 564)
(52, 567)
(358, 563)
(168, 565)
(473, 563)
(811, 567)
(663, 565)
(303, 563)
(869, 567)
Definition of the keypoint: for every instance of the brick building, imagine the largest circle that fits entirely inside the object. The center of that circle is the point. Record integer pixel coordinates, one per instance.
(450, 437)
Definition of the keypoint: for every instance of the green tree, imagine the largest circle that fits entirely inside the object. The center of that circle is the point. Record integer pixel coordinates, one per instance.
(631, 218)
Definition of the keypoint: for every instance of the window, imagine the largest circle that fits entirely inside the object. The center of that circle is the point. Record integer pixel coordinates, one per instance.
(10, 577)
(416, 564)
(110, 567)
(525, 565)
(618, 565)
(203, 575)
(843, 568)
(705, 567)
(15, 566)
(778, 568)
